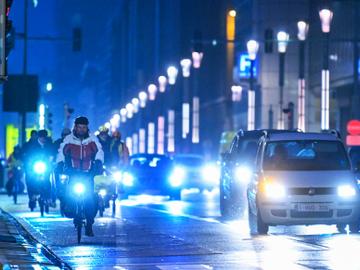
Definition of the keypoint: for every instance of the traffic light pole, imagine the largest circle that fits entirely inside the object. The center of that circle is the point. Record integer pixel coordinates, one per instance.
(23, 113)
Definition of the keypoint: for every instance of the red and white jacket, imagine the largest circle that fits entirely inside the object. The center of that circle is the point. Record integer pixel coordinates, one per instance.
(79, 154)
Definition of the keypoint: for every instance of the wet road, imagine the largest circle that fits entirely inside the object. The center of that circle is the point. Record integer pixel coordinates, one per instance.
(153, 233)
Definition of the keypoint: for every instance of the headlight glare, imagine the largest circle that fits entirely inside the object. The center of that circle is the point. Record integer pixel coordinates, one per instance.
(211, 173)
(346, 191)
(102, 192)
(243, 174)
(79, 188)
(128, 179)
(39, 167)
(274, 191)
(117, 176)
(177, 177)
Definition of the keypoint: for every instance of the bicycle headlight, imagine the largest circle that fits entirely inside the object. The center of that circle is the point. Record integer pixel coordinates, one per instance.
(39, 167)
(79, 188)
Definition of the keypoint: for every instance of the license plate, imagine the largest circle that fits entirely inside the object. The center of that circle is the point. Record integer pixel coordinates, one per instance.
(311, 207)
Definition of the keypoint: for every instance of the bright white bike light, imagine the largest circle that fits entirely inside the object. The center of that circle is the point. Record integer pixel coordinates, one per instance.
(346, 191)
(102, 192)
(63, 177)
(39, 167)
(79, 188)
(128, 179)
(117, 176)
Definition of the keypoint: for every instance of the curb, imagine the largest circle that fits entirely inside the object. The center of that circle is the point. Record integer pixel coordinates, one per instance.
(46, 251)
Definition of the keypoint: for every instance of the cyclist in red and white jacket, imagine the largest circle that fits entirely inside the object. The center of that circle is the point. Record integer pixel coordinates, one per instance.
(82, 152)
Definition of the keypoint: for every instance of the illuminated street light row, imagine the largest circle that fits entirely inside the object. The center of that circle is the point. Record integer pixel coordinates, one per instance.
(139, 102)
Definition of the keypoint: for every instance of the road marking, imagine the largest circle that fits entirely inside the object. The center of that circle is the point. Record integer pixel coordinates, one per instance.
(185, 267)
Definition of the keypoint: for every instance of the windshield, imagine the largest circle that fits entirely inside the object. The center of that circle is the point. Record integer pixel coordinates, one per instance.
(246, 150)
(189, 161)
(149, 161)
(305, 155)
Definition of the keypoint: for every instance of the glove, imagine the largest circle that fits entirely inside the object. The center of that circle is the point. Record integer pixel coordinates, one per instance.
(97, 167)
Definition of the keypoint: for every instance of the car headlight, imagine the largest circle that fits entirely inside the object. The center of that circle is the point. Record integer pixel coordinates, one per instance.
(79, 188)
(117, 176)
(211, 173)
(128, 179)
(243, 174)
(39, 167)
(102, 192)
(274, 190)
(177, 177)
(346, 191)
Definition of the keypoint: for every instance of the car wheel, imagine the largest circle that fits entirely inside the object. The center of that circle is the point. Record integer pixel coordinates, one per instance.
(354, 227)
(262, 228)
(341, 228)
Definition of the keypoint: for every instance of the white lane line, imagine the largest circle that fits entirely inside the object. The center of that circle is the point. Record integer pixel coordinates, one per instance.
(185, 267)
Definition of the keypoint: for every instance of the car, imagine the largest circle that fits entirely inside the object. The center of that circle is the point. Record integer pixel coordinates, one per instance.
(302, 179)
(196, 172)
(151, 174)
(236, 167)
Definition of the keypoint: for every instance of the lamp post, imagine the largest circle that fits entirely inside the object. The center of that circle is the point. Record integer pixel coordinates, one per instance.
(186, 65)
(172, 73)
(282, 40)
(161, 118)
(197, 57)
(325, 17)
(303, 29)
(252, 48)
(142, 131)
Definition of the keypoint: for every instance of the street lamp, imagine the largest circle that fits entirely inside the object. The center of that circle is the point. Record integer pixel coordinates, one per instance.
(282, 40)
(143, 98)
(162, 83)
(135, 102)
(303, 29)
(152, 89)
(123, 113)
(236, 91)
(252, 48)
(172, 73)
(41, 116)
(130, 110)
(325, 17)
(49, 86)
(197, 58)
(185, 65)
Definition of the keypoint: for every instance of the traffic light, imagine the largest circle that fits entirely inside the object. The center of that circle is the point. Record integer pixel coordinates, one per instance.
(77, 39)
(290, 114)
(7, 36)
(9, 30)
(269, 40)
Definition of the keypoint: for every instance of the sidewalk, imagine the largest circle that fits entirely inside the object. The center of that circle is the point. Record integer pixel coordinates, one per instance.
(17, 251)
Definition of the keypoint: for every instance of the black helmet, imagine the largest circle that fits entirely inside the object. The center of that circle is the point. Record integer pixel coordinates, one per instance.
(81, 120)
(42, 133)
